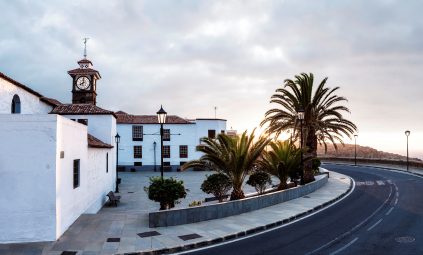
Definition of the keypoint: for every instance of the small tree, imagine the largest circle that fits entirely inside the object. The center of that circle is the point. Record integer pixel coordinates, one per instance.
(260, 181)
(218, 185)
(165, 191)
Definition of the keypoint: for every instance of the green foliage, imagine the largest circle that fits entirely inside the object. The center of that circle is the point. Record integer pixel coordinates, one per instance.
(281, 161)
(233, 156)
(165, 191)
(195, 203)
(315, 164)
(218, 185)
(323, 119)
(260, 181)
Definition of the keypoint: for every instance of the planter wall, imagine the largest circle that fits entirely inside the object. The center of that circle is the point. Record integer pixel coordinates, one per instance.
(216, 211)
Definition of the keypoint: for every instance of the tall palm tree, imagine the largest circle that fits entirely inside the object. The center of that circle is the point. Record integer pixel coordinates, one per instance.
(323, 119)
(281, 161)
(232, 156)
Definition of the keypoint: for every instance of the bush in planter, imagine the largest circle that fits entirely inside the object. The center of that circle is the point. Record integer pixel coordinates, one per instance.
(165, 191)
(315, 164)
(218, 185)
(260, 181)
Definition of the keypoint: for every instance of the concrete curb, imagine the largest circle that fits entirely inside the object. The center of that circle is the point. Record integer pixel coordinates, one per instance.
(379, 167)
(251, 231)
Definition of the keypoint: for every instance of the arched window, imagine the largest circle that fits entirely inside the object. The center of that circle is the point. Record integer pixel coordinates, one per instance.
(16, 104)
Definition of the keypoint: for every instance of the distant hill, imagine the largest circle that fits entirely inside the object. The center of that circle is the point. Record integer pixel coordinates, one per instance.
(362, 152)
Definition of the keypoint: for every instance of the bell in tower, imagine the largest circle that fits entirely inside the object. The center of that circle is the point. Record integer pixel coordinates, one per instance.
(84, 81)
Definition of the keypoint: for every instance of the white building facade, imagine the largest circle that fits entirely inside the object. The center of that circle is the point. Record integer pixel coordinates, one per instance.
(57, 161)
(139, 147)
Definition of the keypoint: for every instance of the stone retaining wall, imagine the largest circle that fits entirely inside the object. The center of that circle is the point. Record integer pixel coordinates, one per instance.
(216, 211)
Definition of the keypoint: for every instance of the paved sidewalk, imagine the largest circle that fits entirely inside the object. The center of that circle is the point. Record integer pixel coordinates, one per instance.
(111, 233)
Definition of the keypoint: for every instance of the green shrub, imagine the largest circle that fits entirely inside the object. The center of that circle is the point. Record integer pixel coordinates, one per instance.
(260, 181)
(195, 203)
(218, 185)
(315, 164)
(165, 191)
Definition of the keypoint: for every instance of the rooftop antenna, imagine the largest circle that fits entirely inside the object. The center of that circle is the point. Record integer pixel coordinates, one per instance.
(215, 110)
(85, 46)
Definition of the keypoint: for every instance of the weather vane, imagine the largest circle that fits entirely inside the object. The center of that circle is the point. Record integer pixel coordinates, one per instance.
(85, 46)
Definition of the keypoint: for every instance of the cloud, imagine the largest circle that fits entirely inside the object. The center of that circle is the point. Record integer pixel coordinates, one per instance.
(194, 55)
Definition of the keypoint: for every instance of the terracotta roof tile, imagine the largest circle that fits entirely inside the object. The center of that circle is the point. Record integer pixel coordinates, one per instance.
(79, 109)
(124, 118)
(50, 101)
(97, 143)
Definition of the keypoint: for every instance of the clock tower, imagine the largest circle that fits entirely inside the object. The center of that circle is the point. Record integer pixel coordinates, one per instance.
(84, 82)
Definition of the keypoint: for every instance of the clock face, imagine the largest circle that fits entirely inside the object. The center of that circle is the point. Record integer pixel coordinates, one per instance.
(82, 83)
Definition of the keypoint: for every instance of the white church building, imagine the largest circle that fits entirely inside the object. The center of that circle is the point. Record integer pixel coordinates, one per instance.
(58, 161)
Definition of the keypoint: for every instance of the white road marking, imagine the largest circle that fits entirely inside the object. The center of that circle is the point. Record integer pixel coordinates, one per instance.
(271, 229)
(344, 247)
(374, 225)
(390, 210)
(380, 183)
(369, 183)
(360, 183)
(389, 181)
(396, 201)
(356, 226)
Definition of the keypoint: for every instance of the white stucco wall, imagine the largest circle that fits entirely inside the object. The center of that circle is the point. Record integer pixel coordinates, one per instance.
(99, 181)
(190, 135)
(101, 126)
(27, 174)
(94, 181)
(30, 104)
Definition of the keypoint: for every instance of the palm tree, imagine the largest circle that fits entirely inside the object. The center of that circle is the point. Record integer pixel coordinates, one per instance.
(233, 156)
(323, 119)
(281, 161)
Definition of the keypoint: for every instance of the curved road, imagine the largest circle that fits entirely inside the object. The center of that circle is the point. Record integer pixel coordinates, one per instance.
(383, 215)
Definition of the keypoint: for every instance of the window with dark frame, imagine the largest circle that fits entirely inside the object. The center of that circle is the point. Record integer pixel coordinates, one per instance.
(83, 121)
(16, 104)
(166, 134)
(166, 151)
(222, 132)
(107, 162)
(137, 133)
(212, 133)
(138, 151)
(76, 166)
(183, 151)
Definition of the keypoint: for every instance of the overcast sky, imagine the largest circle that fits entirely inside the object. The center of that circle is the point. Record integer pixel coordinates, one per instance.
(191, 56)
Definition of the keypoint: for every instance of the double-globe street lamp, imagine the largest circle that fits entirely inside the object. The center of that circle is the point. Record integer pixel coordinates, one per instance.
(161, 116)
(407, 134)
(355, 150)
(117, 140)
(300, 116)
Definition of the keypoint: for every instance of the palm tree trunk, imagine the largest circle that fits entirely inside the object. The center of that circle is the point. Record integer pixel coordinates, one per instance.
(237, 194)
(311, 145)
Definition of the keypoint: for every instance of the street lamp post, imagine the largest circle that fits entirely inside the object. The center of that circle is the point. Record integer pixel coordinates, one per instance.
(154, 144)
(161, 116)
(300, 115)
(117, 140)
(355, 150)
(407, 134)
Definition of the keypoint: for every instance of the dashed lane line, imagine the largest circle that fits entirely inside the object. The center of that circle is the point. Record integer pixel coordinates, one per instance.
(389, 212)
(374, 225)
(344, 247)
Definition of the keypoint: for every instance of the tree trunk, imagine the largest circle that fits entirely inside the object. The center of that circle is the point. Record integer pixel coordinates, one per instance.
(237, 194)
(311, 145)
(163, 206)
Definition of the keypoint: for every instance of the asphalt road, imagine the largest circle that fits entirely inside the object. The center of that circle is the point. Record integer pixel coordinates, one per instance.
(383, 215)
